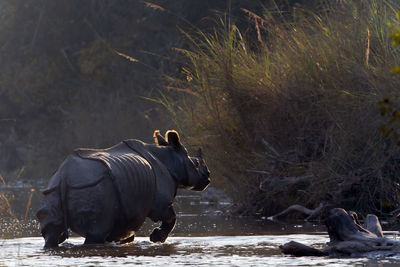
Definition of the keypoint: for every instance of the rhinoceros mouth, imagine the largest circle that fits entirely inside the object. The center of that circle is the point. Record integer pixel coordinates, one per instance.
(202, 186)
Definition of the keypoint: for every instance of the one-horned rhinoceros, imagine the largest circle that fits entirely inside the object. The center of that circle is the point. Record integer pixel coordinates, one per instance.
(105, 195)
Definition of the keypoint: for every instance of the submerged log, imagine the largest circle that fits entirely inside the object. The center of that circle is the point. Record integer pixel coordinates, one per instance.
(347, 237)
(298, 249)
(312, 214)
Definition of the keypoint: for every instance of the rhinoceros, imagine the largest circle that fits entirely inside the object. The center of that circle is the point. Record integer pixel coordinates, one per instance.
(105, 195)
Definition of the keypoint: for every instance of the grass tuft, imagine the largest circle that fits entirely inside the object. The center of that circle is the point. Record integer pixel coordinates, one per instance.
(299, 100)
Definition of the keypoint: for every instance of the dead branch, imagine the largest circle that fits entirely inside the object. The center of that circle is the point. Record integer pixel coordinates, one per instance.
(312, 214)
(373, 225)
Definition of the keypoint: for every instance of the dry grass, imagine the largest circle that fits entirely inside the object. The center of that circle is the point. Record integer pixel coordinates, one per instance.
(12, 224)
(300, 100)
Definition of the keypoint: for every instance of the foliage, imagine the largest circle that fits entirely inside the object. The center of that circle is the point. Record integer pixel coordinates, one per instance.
(300, 100)
(389, 107)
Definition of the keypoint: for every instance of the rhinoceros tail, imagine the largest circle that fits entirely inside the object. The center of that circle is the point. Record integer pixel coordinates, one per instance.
(63, 198)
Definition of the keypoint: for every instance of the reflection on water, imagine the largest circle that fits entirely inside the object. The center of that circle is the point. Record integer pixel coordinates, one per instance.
(204, 236)
(198, 215)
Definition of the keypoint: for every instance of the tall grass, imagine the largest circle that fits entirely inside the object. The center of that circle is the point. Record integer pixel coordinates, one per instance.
(299, 100)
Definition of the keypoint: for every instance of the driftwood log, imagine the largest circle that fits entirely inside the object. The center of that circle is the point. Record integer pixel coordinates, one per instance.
(312, 214)
(348, 238)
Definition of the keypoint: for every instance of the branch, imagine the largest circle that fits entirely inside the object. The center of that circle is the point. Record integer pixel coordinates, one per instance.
(312, 214)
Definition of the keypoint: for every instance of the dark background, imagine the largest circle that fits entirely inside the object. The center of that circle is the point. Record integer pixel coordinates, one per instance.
(63, 84)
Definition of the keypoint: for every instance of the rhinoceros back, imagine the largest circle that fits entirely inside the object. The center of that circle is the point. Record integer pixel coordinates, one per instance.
(133, 177)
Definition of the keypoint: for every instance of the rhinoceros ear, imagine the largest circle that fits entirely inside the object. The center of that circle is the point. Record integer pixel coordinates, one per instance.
(172, 137)
(159, 139)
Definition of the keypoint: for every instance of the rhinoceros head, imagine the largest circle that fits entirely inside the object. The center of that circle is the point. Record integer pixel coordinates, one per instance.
(190, 172)
(198, 173)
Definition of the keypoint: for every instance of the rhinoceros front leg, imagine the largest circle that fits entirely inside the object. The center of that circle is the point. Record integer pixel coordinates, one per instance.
(161, 233)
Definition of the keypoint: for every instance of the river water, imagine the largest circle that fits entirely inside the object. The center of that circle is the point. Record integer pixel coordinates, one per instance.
(204, 236)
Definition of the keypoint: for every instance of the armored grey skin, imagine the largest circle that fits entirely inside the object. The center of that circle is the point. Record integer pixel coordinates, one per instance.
(85, 196)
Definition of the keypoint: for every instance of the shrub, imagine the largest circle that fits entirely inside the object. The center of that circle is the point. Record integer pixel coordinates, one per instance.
(300, 100)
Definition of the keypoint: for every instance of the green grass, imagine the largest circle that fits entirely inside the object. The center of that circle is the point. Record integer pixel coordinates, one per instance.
(299, 99)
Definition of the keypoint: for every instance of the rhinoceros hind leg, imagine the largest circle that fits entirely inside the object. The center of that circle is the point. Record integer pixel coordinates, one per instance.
(54, 235)
(128, 240)
(97, 234)
(92, 211)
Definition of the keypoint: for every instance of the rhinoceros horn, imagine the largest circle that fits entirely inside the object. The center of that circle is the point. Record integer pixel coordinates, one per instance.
(199, 153)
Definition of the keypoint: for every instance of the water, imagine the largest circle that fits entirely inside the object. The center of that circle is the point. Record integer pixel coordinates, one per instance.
(204, 236)
(256, 250)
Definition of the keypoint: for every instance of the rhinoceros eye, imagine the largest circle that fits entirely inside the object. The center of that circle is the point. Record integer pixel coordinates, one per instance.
(196, 163)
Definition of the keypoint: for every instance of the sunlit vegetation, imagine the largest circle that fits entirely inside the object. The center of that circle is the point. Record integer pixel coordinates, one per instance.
(389, 107)
(16, 215)
(296, 108)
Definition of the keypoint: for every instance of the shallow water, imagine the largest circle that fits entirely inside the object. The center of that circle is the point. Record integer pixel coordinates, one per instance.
(204, 236)
(257, 250)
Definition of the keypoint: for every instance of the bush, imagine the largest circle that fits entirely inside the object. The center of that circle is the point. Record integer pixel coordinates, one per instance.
(300, 100)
